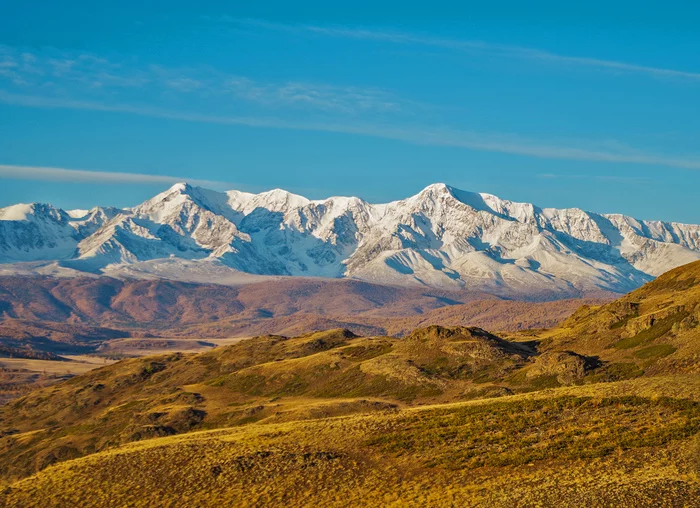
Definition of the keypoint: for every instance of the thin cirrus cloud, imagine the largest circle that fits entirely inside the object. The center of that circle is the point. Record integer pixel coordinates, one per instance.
(418, 135)
(69, 74)
(15, 172)
(474, 47)
(602, 178)
(348, 100)
(60, 80)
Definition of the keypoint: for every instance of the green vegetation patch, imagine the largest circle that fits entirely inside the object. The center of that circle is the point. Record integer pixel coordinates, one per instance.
(355, 383)
(542, 382)
(621, 323)
(521, 379)
(621, 371)
(614, 372)
(655, 352)
(150, 369)
(518, 378)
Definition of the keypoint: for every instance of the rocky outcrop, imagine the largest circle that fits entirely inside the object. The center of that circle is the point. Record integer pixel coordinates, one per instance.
(568, 367)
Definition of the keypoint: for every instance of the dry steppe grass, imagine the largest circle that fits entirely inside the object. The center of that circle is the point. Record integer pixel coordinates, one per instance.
(577, 446)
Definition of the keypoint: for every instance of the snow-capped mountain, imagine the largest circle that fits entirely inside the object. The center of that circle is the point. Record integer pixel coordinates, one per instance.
(440, 237)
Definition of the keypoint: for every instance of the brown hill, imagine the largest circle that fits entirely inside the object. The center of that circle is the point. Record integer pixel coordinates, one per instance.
(49, 337)
(105, 301)
(76, 314)
(502, 315)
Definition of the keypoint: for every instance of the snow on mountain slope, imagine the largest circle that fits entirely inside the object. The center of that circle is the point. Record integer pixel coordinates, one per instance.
(440, 237)
(36, 231)
(30, 232)
(201, 271)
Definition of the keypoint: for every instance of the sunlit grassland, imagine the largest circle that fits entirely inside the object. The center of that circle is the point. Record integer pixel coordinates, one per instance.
(588, 445)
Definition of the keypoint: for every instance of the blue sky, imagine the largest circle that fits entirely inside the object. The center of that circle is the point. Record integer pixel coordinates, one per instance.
(593, 106)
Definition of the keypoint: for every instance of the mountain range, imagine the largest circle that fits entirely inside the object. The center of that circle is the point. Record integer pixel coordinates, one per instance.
(441, 237)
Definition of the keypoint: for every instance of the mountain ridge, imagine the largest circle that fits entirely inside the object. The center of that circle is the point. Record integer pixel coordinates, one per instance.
(441, 237)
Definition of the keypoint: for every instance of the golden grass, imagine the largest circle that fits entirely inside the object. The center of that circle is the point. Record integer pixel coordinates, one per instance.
(274, 379)
(577, 446)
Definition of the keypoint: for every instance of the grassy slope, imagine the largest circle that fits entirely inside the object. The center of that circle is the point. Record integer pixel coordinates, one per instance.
(266, 378)
(573, 446)
(652, 330)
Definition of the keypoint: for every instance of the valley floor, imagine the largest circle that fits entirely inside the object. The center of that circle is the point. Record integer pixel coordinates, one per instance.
(19, 376)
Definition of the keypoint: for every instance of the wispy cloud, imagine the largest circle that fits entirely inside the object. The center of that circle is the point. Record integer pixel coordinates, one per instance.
(327, 98)
(61, 80)
(184, 84)
(419, 135)
(83, 176)
(601, 178)
(66, 74)
(473, 47)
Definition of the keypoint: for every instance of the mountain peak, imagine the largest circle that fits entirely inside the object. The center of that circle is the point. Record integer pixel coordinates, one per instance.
(181, 191)
(481, 202)
(280, 192)
(473, 199)
(20, 211)
(282, 198)
(31, 211)
(180, 187)
(436, 187)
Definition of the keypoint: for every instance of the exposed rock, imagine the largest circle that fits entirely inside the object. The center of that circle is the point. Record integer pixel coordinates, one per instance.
(567, 366)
